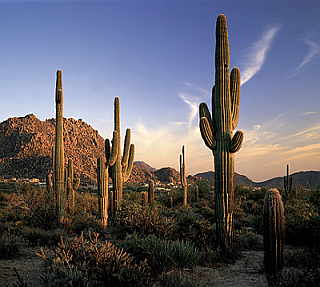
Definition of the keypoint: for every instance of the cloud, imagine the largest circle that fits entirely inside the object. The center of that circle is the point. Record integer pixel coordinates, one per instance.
(258, 53)
(313, 51)
(193, 104)
(309, 113)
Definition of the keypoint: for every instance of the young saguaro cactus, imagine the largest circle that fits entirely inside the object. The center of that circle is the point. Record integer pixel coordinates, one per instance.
(217, 132)
(50, 174)
(121, 169)
(287, 182)
(59, 152)
(274, 230)
(151, 192)
(72, 184)
(183, 178)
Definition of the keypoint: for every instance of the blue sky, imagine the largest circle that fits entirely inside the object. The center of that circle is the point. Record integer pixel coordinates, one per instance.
(157, 56)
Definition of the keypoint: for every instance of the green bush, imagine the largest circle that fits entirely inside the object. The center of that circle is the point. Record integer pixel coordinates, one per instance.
(250, 241)
(162, 255)
(133, 217)
(40, 237)
(193, 227)
(303, 223)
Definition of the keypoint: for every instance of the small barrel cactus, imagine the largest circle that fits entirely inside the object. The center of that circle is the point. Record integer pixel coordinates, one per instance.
(274, 230)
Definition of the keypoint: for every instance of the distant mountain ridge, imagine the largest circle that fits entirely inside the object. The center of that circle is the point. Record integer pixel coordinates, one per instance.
(25, 152)
(307, 179)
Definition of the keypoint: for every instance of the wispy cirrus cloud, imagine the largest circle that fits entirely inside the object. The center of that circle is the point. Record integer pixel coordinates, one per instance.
(313, 51)
(309, 113)
(258, 53)
(193, 104)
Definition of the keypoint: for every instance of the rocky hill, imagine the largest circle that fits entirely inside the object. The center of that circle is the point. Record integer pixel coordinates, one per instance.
(144, 166)
(167, 175)
(26, 142)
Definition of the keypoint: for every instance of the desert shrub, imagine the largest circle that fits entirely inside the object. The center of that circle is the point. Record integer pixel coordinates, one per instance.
(10, 244)
(204, 189)
(250, 241)
(206, 212)
(303, 223)
(32, 206)
(302, 268)
(83, 223)
(209, 257)
(88, 259)
(41, 237)
(295, 277)
(86, 204)
(193, 227)
(162, 255)
(133, 217)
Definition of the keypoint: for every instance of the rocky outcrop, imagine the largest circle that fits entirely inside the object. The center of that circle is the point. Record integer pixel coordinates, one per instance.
(26, 143)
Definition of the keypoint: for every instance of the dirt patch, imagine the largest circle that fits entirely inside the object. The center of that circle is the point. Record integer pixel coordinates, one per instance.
(245, 272)
(28, 265)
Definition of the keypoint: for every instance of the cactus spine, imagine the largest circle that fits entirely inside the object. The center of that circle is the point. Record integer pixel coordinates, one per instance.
(287, 183)
(217, 132)
(151, 192)
(273, 236)
(59, 152)
(121, 169)
(183, 178)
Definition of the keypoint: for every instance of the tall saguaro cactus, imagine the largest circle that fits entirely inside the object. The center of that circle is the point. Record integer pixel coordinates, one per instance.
(217, 132)
(59, 152)
(274, 230)
(183, 178)
(121, 169)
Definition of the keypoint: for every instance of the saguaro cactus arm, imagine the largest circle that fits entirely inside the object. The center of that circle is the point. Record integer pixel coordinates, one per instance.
(128, 169)
(235, 96)
(236, 142)
(125, 157)
(111, 153)
(207, 133)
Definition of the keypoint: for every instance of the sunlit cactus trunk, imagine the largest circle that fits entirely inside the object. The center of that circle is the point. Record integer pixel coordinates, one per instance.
(183, 178)
(121, 169)
(217, 133)
(274, 231)
(103, 196)
(59, 152)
